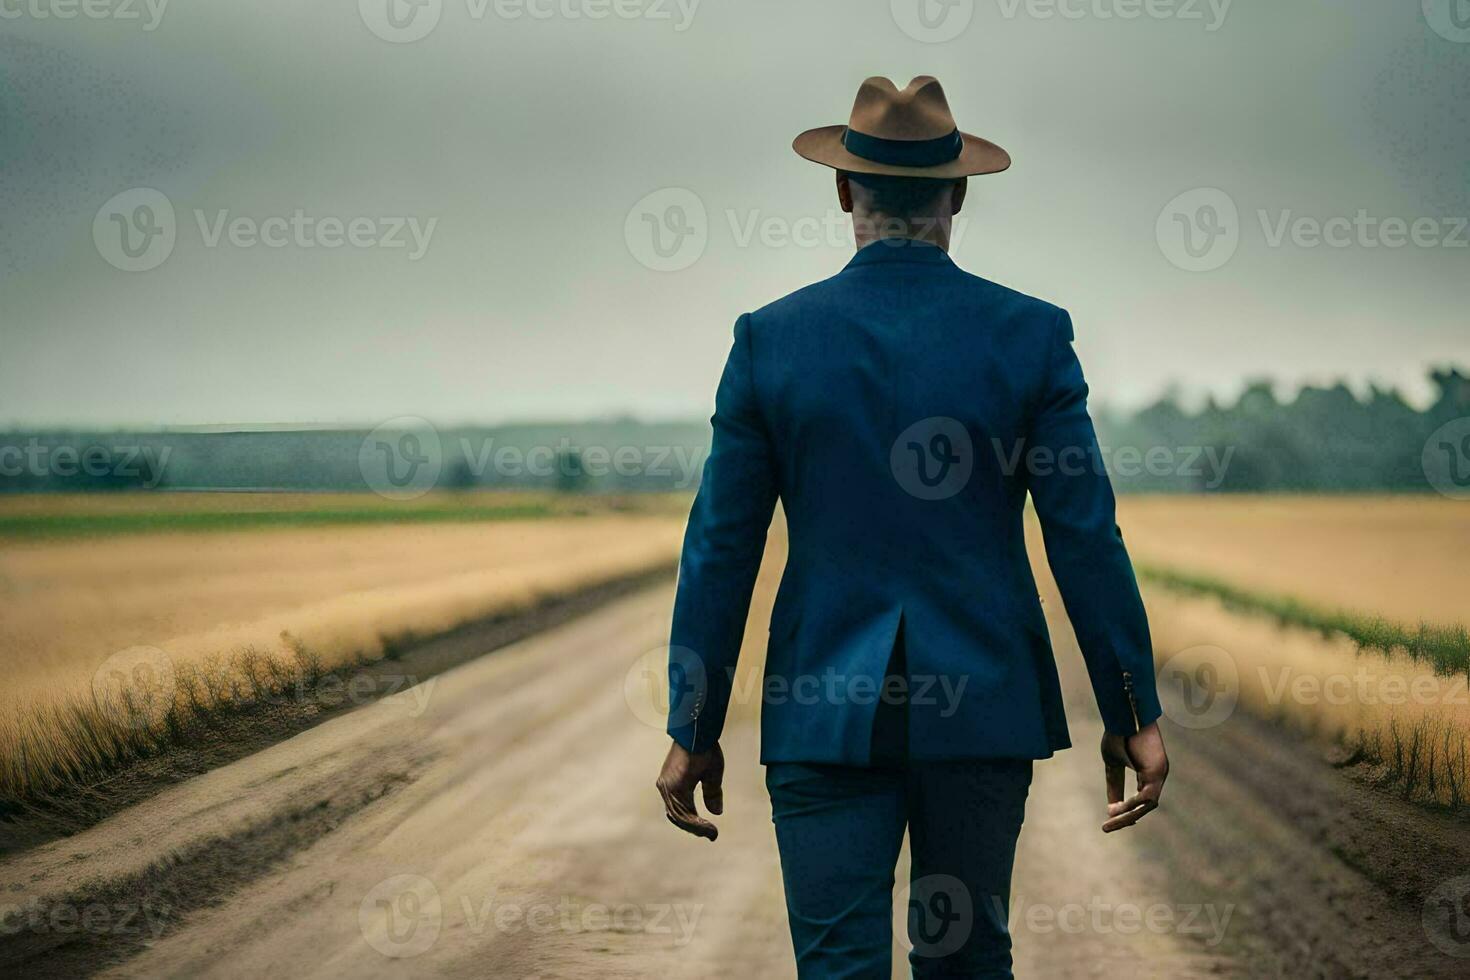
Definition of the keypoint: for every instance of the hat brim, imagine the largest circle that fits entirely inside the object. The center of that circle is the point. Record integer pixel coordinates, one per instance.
(824, 145)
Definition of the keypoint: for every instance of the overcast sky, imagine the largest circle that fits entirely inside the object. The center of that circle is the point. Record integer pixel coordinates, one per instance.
(459, 226)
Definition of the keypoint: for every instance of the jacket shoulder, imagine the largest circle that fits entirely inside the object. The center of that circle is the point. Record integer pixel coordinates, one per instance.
(1014, 302)
(795, 304)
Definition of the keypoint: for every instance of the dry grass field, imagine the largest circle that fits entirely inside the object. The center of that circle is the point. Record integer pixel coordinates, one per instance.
(121, 616)
(110, 642)
(1402, 557)
(1343, 617)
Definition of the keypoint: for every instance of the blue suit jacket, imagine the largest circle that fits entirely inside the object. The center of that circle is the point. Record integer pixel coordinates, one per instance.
(901, 411)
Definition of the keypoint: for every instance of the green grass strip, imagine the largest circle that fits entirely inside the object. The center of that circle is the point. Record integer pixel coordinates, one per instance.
(1447, 648)
(33, 526)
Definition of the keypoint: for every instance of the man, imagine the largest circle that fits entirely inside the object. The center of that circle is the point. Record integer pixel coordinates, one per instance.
(901, 411)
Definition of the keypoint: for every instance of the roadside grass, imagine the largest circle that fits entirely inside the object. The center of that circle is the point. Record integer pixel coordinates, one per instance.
(45, 517)
(67, 744)
(1445, 647)
(1407, 727)
(1426, 758)
(69, 762)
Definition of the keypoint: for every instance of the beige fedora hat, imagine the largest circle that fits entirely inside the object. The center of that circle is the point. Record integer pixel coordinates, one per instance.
(908, 133)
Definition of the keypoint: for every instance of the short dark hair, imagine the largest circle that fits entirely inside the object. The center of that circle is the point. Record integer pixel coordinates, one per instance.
(899, 196)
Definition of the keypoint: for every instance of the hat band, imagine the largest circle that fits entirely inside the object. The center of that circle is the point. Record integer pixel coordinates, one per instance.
(904, 153)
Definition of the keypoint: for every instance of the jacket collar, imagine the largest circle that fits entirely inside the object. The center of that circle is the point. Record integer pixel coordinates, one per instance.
(899, 250)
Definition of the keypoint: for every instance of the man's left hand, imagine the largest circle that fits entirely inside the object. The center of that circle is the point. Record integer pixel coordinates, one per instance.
(682, 771)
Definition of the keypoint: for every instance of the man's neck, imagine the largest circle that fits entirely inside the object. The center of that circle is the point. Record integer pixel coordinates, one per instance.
(868, 229)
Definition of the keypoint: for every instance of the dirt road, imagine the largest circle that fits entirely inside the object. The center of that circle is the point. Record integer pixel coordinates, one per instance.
(501, 821)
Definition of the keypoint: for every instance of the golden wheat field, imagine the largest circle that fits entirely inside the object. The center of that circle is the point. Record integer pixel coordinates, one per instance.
(91, 614)
(1404, 557)
(1392, 562)
(91, 626)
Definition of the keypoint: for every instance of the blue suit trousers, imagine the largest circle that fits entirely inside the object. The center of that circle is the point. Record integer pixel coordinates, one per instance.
(839, 830)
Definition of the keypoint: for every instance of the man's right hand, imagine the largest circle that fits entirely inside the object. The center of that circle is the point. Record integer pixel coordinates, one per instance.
(1144, 753)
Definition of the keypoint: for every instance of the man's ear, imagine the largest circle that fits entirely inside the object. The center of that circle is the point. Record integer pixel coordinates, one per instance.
(957, 195)
(844, 192)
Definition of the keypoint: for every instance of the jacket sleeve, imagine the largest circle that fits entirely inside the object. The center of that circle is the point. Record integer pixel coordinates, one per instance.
(1084, 546)
(723, 545)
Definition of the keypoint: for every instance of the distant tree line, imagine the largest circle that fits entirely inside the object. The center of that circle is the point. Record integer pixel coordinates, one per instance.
(1323, 439)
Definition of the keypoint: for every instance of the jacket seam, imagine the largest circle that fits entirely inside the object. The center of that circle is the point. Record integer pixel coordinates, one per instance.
(760, 408)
